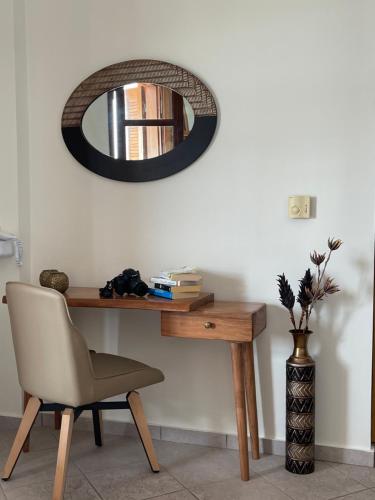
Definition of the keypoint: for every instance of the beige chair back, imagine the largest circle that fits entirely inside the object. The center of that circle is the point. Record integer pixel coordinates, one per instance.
(53, 360)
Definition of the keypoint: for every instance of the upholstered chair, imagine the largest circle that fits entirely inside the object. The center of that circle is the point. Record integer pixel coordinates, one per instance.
(55, 365)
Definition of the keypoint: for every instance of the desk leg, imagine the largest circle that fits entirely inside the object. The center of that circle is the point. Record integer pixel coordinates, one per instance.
(240, 403)
(26, 446)
(251, 397)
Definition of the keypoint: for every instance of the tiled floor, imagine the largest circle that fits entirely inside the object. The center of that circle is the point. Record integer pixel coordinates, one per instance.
(119, 471)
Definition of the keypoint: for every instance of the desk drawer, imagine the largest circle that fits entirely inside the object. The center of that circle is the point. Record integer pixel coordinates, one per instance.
(196, 326)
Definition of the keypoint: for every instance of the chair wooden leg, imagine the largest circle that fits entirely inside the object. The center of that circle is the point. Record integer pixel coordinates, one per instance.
(98, 426)
(26, 446)
(29, 417)
(140, 421)
(63, 453)
(57, 420)
(251, 398)
(240, 404)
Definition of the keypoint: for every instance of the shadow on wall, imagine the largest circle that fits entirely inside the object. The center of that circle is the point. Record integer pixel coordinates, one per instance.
(328, 322)
(331, 369)
(277, 344)
(225, 286)
(275, 338)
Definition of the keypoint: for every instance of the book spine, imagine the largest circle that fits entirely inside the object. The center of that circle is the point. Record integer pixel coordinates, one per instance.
(160, 293)
(179, 289)
(163, 281)
(161, 286)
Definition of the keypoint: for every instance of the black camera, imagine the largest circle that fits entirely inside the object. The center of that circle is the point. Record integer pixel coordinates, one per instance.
(129, 281)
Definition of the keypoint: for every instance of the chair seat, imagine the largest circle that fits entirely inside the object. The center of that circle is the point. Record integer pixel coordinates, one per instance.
(115, 375)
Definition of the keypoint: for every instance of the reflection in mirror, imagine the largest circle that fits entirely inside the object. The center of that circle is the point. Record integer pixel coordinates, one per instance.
(137, 121)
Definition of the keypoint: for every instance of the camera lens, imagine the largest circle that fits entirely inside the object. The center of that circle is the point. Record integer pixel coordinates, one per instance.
(140, 289)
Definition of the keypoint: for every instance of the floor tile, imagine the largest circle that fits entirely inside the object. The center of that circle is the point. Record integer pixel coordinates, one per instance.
(362, 495)
(80, 438)
(133, 482)
(35, 467)
(116, 452)
(325, 483)
(365, 475)
(12, 423)
(267, 463)
(192, 465)
(210, 466)
(235, 489)
(120, 470)
(76, 489)
(177, 495)
(41, 439)
(170, 454)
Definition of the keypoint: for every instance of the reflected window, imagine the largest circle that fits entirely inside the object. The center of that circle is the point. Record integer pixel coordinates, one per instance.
(148, 142)
(145, 121)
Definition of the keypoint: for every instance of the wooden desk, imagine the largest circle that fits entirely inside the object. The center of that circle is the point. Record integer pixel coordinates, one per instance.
(203, 318)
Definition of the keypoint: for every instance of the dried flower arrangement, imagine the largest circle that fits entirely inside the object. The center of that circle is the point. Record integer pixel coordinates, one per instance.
(312, 288)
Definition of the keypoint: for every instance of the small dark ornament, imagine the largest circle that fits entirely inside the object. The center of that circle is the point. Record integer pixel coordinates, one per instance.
(44, 276)
(51, 278)
(107, 291)
(129, 281)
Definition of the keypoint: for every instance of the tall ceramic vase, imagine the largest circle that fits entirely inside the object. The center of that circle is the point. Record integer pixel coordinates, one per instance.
(300, 395)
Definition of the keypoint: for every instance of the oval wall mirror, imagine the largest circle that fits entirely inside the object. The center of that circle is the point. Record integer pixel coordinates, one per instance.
(139, 120)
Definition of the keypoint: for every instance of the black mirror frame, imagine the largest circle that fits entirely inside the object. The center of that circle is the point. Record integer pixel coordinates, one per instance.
(145, 71)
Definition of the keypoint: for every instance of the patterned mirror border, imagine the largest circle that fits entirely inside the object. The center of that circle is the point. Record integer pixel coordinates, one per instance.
(145, 71)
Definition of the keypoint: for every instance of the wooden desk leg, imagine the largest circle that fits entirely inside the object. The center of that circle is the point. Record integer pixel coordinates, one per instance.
(26, 446)
(248, 355)
(240, 403)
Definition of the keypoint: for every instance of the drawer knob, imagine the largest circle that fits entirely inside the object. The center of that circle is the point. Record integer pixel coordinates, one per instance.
(208, 324)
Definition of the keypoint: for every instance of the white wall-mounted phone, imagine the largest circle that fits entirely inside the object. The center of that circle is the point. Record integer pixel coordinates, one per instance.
(11, 245)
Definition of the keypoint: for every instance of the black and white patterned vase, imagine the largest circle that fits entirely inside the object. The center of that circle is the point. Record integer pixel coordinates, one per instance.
(300, 395)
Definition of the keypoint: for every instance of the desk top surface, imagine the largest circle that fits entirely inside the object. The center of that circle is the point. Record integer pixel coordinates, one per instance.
(89, 297)
(78, 296)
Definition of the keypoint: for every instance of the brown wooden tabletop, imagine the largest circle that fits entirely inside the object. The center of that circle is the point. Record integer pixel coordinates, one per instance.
(78, 296)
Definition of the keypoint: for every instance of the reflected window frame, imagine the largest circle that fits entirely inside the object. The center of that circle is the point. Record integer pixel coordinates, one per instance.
(118, 123)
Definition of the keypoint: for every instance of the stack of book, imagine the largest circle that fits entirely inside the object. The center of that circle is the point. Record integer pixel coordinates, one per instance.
(182, 283)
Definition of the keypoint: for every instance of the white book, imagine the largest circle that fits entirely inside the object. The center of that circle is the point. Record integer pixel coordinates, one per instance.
(178, 270)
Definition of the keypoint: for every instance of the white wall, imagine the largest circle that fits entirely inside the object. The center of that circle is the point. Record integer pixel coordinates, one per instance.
(10, 396)
(294, 84)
